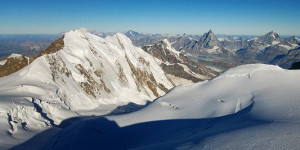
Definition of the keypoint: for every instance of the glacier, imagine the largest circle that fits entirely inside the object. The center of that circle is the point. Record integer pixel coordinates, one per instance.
(248, 107)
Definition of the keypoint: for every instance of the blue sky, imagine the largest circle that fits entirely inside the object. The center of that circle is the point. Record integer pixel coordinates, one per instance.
(252, 17)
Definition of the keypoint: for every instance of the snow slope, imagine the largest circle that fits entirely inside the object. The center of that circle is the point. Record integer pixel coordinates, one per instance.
(90, 75)
(248, 107)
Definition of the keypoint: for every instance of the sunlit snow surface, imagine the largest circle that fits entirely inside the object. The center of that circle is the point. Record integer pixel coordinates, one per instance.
(34, 98)
(248, 107)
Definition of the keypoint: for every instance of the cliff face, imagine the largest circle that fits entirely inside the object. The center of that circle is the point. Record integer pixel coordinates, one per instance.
(13, 63)
(178, 67)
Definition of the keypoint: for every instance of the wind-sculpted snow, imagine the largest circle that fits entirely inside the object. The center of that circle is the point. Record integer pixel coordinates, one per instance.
(79, 74)
(233, 111)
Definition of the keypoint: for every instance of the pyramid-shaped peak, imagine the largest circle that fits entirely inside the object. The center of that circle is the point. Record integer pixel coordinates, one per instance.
(270, 37)
(272, 33)
(209, 40)
(210, 33)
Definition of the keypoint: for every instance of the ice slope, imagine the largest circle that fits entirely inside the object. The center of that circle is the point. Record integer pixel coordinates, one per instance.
(90, 75)
(248, 107)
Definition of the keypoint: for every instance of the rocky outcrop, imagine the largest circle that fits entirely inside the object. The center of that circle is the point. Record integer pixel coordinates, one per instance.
(268, 48)
(54, 47)
(12, 64)
(209, 40)
(176, 64)
(291, 40)
(15, 62)
(295, 65)
(286, 61)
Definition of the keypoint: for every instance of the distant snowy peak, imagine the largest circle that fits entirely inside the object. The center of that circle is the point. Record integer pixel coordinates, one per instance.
(209, 40)
(137, 35)
(208, 44)
(132, 33)
(291, 40)
(270, 38)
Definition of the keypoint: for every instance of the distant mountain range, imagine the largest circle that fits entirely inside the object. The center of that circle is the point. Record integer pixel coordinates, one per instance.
(269, 48)
(236, 50)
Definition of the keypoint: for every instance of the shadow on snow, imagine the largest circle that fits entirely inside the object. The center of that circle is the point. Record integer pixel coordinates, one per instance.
(100, 133)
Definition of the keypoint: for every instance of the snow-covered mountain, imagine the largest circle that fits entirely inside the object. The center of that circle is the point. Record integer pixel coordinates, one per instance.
(267, 47)
(178, 67)
(137, 38)
(232, 50)
(271, 38)
(247, 107)
(207, 44)
(78, 74)
(291, 41)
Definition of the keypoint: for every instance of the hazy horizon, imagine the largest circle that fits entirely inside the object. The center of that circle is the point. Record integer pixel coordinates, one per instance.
(217, 34)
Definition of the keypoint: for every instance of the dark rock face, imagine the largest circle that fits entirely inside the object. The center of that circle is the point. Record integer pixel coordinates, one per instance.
(54, 47)
(249, 52)
(235, 44)
(179, 42)
(209, 40)
(177, 64)
(160, 51)
(13, 64)
(286, 61)
(295, 65)
(178, 71)
(270, 53)
(291, 40)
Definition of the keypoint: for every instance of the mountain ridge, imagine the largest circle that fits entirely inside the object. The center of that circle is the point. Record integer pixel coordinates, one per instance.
(80, 74)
